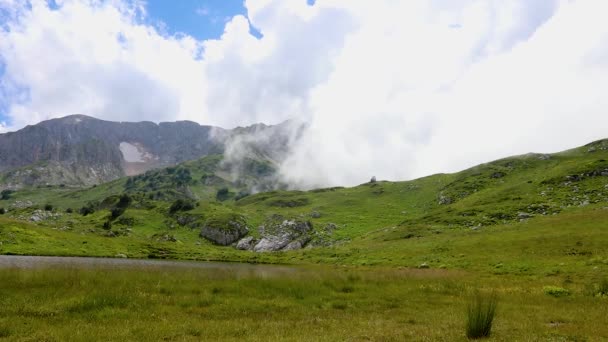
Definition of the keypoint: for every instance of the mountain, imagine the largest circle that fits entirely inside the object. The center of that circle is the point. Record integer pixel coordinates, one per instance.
(79, 150)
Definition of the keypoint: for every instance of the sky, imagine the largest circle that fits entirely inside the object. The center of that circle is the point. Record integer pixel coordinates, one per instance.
(395, 89)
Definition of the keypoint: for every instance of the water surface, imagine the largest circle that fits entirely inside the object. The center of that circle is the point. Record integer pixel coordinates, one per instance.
(33, 262)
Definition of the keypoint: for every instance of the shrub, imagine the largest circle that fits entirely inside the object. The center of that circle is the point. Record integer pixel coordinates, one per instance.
(86, 210)
(181, 205)
(2, 211)
(222, 194)
(69, 210)
(116, 212)
(48, 207)
(480, 315)
(6, 194)
(124, 201)
(107, 225)
(556, 291)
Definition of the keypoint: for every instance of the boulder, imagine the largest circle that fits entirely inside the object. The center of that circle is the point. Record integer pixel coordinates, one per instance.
(224, 230)
(279, 233)
(272, 243)
(246, 243)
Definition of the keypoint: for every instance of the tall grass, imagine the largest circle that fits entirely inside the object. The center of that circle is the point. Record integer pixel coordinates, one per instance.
(480, 315)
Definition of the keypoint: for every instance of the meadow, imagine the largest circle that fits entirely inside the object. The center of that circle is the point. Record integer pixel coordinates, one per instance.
(310, 304)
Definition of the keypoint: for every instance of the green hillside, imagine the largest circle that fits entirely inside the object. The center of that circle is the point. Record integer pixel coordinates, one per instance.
(374, 223)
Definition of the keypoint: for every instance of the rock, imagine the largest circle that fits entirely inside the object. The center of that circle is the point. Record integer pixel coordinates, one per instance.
(330, 227)
(497, 175)
(279, 233)
(272, 243)
(424, 265)
(120, 255)
(246, 243)
(42, 215)
(573, 178)
(293, 245)
(544, 157)
(225, 232)
(524, 216)
(445, 200)
(315, 214)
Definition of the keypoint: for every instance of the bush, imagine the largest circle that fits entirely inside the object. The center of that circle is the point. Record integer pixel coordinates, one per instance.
(222, 194)
(86, 210)
(48, 207)
(124, 201)
(107, 225)
(2, 211)
(181, 205)
(69, 210)
(556, 291)
(6, 194)
(116, 212)
(480, 315)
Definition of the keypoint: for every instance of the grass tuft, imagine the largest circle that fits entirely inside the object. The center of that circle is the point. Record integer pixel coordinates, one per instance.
(480, 315)
(4, 332)
(556, 291)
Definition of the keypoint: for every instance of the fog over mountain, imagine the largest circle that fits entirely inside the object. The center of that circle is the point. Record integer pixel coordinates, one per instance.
(79, 150)
(396, 89)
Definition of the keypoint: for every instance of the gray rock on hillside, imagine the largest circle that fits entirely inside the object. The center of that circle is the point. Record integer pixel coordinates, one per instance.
(279, 234)
(224, 233)
(246, 243)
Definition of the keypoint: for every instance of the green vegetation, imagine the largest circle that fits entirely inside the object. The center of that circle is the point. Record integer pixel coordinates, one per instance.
(556, 291)
(480, 315)
(319, 303)
(530, 228)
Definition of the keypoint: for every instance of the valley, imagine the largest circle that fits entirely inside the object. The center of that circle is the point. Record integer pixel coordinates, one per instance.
(403, 257)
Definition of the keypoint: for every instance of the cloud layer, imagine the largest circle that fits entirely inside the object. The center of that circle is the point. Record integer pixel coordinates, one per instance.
(395, 89)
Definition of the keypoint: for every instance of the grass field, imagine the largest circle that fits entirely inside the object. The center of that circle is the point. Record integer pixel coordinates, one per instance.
(320, 304)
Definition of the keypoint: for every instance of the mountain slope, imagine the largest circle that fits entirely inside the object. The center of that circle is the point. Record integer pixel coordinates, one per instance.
(78, 150)
(505, 193)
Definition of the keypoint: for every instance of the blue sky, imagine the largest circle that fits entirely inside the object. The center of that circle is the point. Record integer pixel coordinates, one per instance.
(202, 19)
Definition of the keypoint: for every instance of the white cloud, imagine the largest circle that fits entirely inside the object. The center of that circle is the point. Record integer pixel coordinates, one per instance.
(396, 89)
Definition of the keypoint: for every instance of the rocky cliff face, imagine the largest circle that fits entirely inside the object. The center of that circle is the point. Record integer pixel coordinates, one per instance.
(81, 150)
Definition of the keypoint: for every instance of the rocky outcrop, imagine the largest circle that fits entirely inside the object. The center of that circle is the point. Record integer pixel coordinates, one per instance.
(246, 243)
(225, 230)
(279, 234)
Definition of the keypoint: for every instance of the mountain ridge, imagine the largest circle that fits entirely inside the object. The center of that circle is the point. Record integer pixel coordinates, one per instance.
(80, 150)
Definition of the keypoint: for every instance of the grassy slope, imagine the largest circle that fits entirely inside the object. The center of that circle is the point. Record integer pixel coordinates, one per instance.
(386, 223)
